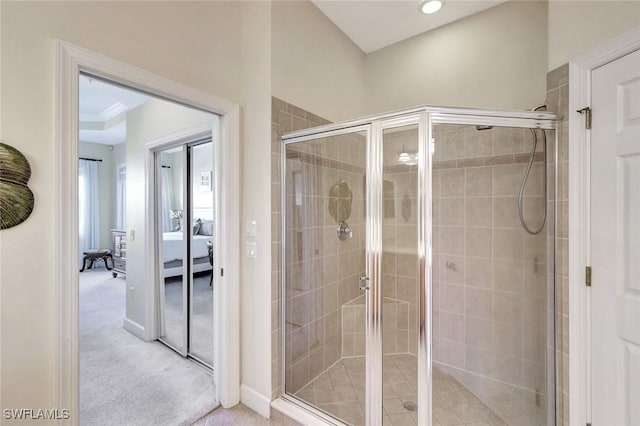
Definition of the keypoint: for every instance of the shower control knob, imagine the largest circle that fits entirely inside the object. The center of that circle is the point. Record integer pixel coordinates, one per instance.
(344, 231)
(364, 283)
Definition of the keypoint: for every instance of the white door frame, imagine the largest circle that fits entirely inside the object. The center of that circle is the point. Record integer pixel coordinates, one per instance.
(579, 219)
(70, 61)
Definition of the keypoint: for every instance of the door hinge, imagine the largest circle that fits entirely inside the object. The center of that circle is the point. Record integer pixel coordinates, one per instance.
(587, 278)
(222, 272)
(587, 118)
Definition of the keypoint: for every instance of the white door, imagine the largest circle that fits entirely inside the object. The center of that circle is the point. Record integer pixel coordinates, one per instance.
(615, 242)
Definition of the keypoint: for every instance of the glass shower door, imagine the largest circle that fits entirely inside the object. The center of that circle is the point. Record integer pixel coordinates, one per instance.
(493, 280)
(413, 292)
(325, 342)
(400, 283)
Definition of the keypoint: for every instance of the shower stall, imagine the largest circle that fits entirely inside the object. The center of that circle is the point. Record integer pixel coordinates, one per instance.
(411, 291)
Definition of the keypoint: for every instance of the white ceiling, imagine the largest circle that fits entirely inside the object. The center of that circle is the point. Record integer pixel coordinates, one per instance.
(373, 24)
(103, 110)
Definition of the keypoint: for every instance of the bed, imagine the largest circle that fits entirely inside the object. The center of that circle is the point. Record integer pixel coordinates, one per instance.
(173, 248)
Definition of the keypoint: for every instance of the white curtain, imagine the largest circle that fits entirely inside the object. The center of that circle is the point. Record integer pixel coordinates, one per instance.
(89, 206)
(121, 197)
(167, 183)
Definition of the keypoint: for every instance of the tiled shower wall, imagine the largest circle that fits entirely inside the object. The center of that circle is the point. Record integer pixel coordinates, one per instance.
(285, 118)
(490, 280)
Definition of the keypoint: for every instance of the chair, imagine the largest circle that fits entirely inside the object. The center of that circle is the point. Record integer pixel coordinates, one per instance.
(93, 255)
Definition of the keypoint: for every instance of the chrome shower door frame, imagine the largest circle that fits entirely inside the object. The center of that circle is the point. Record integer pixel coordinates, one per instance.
(425, 117)
(373, 267)
(373, 305)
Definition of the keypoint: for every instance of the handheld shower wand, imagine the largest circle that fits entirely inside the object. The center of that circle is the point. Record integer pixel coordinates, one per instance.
(526, 177)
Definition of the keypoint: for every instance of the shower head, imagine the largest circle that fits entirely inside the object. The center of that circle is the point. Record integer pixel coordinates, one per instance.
(483, 127)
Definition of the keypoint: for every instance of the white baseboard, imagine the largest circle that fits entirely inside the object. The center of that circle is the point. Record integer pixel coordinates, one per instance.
(135, 329)
(255, 400)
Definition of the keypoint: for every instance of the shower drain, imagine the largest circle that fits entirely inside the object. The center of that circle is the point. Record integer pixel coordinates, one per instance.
(410, 406)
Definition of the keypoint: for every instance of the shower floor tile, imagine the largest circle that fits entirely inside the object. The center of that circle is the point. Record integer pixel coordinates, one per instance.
(340, 391)
(458, 398)
(514, 406)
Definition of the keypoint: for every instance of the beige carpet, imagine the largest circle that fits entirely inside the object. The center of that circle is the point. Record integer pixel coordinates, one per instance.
(125, 381)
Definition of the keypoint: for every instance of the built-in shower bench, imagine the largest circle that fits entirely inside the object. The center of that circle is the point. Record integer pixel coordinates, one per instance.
(395, 325)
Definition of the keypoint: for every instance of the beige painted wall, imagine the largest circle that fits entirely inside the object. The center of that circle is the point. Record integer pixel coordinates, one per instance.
(119, 156)
(497, 58)
(315, 65)
(256, 204)
(197, 44)
(235, 50)
(575, 27)
(494, 59)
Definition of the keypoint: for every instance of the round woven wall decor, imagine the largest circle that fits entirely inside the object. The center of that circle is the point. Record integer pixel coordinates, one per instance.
(16, 199)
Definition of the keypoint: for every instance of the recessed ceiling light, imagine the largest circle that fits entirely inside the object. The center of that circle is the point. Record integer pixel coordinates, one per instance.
(430, 6)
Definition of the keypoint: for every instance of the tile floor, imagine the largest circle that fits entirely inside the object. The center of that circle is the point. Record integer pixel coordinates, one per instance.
(514, 406)
(242, 415)
(238, 415)
(340, 392)
(459, 398)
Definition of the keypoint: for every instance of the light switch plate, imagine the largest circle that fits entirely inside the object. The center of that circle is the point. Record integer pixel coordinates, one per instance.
(251, 228)
(251, 249)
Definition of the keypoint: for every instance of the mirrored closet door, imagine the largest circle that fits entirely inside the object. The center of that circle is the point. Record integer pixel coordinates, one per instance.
(184, 217)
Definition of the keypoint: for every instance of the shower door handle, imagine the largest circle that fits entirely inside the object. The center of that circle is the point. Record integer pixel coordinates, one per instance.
(364, 283)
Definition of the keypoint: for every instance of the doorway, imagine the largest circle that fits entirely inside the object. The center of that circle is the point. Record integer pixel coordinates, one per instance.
(71, 62)
(419, 287)
(185, 218)
(114, 122)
